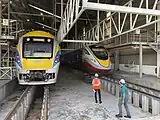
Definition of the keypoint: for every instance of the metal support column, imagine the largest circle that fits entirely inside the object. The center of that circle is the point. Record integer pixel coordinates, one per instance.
(147, 8)
(76, 31)
(158, 64)
(8, 55)
(158, 41)
(8, 17)
(61, 32)
(0, 18)
(140, 61)
(0, 58)
(116, 65)
(97, 23)
(110, 26)
(16, 28)
(55, 17)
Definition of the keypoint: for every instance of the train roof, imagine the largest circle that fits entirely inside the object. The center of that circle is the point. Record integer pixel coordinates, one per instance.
(38, 34)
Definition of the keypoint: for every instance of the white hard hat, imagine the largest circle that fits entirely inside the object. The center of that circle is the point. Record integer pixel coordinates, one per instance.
(96, 75)
(122, 81)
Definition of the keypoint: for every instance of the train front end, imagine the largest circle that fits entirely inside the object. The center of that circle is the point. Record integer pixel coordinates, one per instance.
(96, 59)
(37, 59)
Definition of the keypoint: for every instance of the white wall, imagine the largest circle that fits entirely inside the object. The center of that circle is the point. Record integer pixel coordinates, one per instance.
(147, 69)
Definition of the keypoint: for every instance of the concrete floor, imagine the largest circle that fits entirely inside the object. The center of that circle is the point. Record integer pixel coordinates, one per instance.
(72, 99)
(147, 80)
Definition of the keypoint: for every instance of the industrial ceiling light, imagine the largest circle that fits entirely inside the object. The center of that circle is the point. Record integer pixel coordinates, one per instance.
(28, 20)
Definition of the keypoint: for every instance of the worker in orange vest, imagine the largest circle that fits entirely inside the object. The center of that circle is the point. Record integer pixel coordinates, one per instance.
(96, 85)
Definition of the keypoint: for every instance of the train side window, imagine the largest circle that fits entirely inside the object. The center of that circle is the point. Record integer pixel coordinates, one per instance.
(86, 52)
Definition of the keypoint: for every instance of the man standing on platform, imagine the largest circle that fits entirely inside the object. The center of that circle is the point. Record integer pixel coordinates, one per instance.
(96, 86)
(123, 99)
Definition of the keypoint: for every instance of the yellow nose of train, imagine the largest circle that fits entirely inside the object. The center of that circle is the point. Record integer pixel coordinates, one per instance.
(104, 63)
(37, 64)
(37, 58)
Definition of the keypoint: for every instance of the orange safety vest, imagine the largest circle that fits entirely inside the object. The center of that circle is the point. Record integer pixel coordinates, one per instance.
(96, 84)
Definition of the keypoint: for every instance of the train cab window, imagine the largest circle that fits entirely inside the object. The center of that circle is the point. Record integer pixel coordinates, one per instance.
(100, 52)
(86, 52)
(37, 47)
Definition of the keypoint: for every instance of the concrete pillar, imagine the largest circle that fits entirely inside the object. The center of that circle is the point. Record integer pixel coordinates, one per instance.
(136, 99)
(145, 103)
(106, 86)
(113, 88)
(155, 107)
(102, 84)
(109, 87)
(116, 64)
(130, 96)
(117, 90)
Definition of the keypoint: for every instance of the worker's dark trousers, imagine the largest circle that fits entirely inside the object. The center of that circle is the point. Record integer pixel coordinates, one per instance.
(126, 107)
(99, 93)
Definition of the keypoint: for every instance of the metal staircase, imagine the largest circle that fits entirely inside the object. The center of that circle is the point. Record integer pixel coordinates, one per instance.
(155, 46)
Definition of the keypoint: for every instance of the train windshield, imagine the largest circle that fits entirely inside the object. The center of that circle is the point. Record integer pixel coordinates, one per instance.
(37, 47)
(100, 52)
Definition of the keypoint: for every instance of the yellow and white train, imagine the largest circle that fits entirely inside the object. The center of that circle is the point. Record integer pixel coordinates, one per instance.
(37, 58)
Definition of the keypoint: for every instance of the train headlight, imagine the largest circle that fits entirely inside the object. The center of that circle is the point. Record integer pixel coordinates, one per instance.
(18, 61)
(57, 58)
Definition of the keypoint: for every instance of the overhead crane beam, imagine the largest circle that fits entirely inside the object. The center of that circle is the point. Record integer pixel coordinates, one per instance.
(121, 9)
(73, 12)
(80, 41)
(42, 10)
(45, 26)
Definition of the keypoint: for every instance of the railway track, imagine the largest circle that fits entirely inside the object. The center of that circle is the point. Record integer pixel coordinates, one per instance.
(21, 110)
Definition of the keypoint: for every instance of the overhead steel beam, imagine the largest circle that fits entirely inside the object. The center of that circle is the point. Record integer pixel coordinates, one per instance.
(46, 26)
(80, 41)
(31, 14)
(72, 14)
(122, 9)
(42, 10)
(17, 31)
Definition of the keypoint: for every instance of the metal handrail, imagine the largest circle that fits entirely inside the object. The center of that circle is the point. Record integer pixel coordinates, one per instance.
(134, 89)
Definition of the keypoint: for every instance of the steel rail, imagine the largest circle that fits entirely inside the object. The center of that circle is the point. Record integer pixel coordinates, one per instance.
(45, 105)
